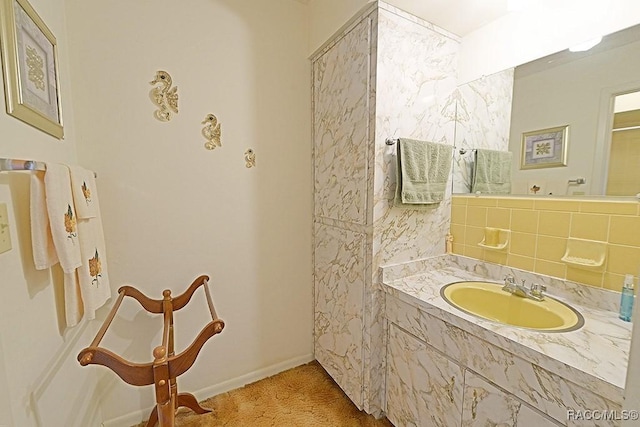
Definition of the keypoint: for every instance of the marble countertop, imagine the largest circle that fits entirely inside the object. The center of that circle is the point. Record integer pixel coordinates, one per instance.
(594, 357)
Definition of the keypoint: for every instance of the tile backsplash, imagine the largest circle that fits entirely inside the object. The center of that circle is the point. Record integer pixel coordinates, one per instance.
(539, 229)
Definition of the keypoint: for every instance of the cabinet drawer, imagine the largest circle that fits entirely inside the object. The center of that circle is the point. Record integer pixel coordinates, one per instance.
(486, 405)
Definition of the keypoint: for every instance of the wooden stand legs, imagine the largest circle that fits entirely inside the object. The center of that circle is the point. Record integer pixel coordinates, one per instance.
(166, 366)
(167, 398)
(186, 400)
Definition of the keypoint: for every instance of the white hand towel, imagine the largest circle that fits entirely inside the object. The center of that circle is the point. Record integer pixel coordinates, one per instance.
(92, 275)
(72, 301)
(64, 230)
(84, 189)
(62, 216)
(44, 251)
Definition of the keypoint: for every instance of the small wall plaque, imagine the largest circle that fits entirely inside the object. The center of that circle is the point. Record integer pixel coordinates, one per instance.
(164, 96)
(211, 131)
(250, 158)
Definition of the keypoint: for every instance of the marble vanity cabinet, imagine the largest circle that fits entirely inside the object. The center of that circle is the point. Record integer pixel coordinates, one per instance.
(445, 367)
(426, 387)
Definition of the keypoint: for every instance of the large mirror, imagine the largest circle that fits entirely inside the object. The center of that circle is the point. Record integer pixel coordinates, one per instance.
(570, 120)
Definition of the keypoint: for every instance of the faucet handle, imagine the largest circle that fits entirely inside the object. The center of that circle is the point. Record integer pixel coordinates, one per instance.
(537, 289)
(509, 279)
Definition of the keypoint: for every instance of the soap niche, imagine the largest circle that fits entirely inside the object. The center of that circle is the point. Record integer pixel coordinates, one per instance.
(496, 239)
(585, 254)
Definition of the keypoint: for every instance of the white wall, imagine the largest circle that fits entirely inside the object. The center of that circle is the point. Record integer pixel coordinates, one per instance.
(42, 383)
(327, 16)
(173, 210)
(541, 28)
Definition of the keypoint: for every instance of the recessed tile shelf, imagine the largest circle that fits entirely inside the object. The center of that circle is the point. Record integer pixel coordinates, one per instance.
(585, 254)
(495, 239)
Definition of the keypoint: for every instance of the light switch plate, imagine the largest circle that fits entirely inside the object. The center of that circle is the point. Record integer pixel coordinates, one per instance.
(5, 235)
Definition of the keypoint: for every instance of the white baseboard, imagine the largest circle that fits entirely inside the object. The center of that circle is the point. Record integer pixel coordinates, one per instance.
(136, 417)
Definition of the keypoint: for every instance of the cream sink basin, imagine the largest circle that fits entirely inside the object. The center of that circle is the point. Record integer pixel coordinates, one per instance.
(488, 301)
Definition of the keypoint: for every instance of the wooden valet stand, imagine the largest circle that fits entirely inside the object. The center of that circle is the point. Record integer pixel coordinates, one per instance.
(166, 366)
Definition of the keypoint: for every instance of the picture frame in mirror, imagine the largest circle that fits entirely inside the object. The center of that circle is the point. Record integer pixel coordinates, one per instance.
(545, 148)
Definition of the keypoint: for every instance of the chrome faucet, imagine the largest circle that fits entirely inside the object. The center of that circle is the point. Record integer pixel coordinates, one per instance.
(535, 292)
(512, 287)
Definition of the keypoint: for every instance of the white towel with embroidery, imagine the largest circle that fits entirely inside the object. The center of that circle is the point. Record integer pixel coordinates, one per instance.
(64, 230)
(92, 274)
(84, 191)
(44, 251)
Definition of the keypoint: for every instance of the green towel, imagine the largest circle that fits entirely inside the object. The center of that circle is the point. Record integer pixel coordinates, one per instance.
(492, 172)
(422, 172)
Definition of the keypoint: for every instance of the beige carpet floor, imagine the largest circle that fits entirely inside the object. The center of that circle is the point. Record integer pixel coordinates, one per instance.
(304, 396)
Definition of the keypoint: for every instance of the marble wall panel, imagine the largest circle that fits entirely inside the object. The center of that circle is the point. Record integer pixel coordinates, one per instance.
(388, 273)
(339, 283)
(342, 152)
(483, 120)
(416, 80)
(341, 82)
(415, 77)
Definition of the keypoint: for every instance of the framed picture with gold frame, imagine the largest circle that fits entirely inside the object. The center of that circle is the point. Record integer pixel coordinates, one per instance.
(545, 148)
(30, 67)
